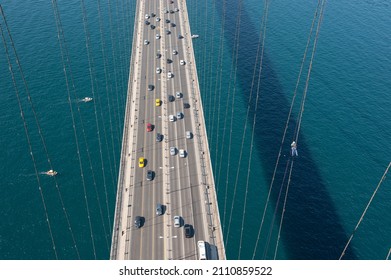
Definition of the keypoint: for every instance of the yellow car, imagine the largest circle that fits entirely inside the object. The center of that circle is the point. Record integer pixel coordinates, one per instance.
(141, 162)
(158, 102)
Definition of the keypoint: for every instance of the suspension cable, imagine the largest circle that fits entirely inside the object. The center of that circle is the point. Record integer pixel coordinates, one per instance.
(235, 66)
(286, 128)
(365, 211)
(275, 209)
(283, 210)
(260, 49)
(27, 134)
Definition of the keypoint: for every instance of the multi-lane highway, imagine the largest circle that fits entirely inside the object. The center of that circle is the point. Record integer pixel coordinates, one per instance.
(183, 185)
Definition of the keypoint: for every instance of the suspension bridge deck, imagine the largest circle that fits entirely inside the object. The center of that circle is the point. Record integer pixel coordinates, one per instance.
(184, 186)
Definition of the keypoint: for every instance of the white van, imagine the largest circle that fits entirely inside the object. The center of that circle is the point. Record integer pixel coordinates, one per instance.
(201, 250)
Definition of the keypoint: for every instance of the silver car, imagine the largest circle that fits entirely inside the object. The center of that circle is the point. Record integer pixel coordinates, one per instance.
(172, 151)
(159, 209)
(179, 115)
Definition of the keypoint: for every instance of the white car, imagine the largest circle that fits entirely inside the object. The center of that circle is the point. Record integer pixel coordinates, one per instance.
(179, 115)
(178, 94)
(174, 52)
(189, 135)
(182, 62)
(157, 36)
(158, 19)
(172, 151)
(182, 153)
(170, 75)
(146, 16)
(146, 42)
(172, 118)
(177, 221)
(158, 70)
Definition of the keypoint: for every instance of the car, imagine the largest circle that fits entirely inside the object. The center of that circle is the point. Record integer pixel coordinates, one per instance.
(186, 105)
(182, 62)
(158, 70)
(153, 26)
(153, 14)
(149, 127)
(172, 151)
(147, 16)
(171, 2)
(141, 162)
(150, 174)
(171, 11)
(189, 135)
(158, 102)
(159, 137)
(157, 19)
(176, 10)
(178, 94)
(174, 52)
(172, 118)
(169, 60)
(177, 221)
(180, 36)
(188, 229)
(147, 22)
(158, 55)
(157, 36)
(168, 32)
(171, 98)
(179, 115)
(167, 21)
(166, 11)
(146, 42)
(151, 87)
(137, 221)
(170, 75)
(173, 24)
(182, 153)
(159, 209)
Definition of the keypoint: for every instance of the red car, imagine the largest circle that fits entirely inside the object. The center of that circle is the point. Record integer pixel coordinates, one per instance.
(149, 127)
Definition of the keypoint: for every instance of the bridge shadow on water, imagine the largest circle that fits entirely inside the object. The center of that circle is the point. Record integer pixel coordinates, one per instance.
(312, 229)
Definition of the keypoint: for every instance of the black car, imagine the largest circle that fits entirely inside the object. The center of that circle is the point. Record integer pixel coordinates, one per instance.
(137, 222)
(167, 21)
(150, 87)
(159, 137)
(153, 14)
(171, 98)
(188, 230)
(168, 32)
(169, 60)
(186, 105)
(149, 175)
(147, 22)
(158, 55)
(173, 24)
(153, 26)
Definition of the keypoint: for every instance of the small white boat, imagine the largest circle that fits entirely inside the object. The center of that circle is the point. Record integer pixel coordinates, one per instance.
(194, 36)
(86, 99)
(51, 172)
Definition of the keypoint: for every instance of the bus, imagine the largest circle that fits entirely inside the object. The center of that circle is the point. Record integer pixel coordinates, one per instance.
(202, 250)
